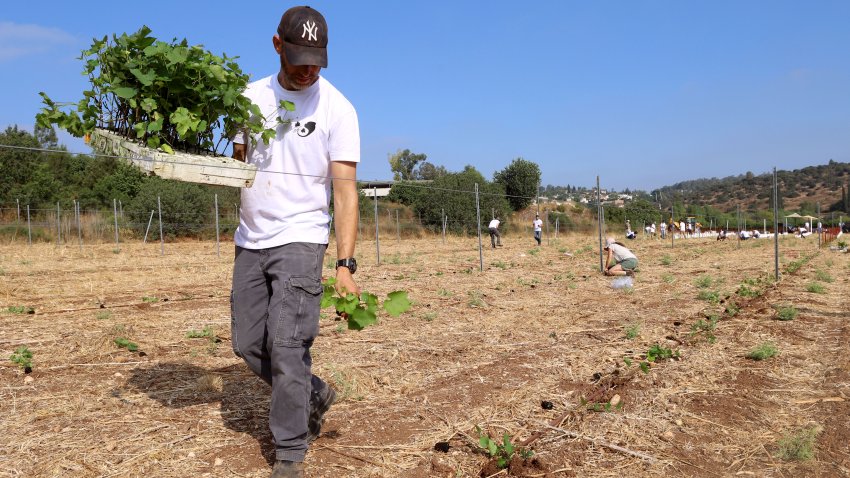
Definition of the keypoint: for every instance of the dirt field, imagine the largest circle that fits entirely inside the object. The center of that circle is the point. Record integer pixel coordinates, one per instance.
(479, 349)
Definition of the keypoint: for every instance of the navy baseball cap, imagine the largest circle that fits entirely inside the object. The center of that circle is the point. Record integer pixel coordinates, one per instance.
(305, 37)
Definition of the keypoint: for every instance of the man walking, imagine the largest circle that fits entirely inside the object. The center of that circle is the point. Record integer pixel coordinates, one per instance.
(538, 228)
(284, 229)
(495, 237)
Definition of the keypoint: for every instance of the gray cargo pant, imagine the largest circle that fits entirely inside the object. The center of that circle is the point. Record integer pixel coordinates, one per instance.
(274, 307)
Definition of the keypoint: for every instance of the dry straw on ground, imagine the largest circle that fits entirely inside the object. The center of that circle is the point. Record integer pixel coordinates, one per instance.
(477, 349)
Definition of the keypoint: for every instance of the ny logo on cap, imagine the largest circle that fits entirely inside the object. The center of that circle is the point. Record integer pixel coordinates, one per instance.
(310, 31)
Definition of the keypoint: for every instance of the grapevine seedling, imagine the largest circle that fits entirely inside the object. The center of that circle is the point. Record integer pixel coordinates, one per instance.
(122, 342)
(601, 406)
(23, 357)
(150, 299)
(502, 452)
(656, 353)
(362, 311)
(632, 331)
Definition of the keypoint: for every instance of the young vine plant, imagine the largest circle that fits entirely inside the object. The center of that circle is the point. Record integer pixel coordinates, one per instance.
(164, 95)
(362, 311)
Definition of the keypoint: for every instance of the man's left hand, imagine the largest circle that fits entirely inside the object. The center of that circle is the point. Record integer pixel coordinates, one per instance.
(345, 282)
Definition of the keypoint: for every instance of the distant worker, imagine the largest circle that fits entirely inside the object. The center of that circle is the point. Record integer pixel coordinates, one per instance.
(682, 228)
(663, 230)
(538, 228)
(495, 237)
(624, 261)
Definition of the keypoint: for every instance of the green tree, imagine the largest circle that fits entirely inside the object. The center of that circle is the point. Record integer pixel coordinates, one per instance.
(186, 207)
(520, 181)
(403, 164)
(453, 193)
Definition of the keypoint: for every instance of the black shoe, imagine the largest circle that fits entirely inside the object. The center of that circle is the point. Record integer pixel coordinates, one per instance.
(287, 469)
(319, 405)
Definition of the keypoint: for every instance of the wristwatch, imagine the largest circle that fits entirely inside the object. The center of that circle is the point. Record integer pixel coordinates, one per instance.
(349, 262)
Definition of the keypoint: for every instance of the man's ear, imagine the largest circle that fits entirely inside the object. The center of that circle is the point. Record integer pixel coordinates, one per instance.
(278, 44)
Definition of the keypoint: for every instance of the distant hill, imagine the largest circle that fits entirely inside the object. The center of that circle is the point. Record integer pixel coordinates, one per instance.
(800, 189)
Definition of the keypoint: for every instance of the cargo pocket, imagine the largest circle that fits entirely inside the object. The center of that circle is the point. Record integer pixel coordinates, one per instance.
(298, 323)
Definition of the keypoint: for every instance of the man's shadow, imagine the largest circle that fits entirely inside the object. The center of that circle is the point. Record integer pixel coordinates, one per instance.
(244, 397)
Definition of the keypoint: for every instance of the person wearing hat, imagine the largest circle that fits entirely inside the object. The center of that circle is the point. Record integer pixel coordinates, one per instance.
(624, 261)
(538, 228)
(284, 230)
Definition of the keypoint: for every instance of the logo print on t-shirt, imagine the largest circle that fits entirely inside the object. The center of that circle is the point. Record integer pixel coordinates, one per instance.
(305, 129)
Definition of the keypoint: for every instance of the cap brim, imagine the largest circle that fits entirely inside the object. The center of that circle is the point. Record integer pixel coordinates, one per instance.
(305, 55)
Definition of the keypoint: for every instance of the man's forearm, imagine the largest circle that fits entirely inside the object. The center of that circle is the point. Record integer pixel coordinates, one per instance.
(345, 209)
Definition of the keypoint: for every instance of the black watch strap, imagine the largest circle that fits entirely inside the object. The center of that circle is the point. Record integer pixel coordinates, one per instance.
(349, 262)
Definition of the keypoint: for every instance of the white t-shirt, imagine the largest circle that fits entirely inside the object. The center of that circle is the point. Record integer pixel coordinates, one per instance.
(538, 224)
(621, 253)
(284, 208)
(494, 224)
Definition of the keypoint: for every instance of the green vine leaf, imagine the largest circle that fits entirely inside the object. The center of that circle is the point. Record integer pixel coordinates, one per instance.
(397, 303)
(125, 92)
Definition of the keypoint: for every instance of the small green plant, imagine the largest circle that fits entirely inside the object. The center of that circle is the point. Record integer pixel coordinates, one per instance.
(815, 288)
(732, 308)
(103, 315)
(429, 316)
(668, 278)
(502, 452)
(666, 260)
(655, 353)
(710, 296)
(444, 293)
(787, 312)
(21, 309)
(659, 352)
(362, 310)
(125, 343)
(745, 290)
(601, 406)
(798, 445)
(632, 331)
(763, 351)
(476, 299)
(533, 252)
(150, 299)
(706, 327)
(823, 276)
(206, 333)
(500, 264)
(23, 357)
(703, 282)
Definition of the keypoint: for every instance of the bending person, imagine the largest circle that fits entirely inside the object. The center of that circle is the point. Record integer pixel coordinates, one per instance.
(624, 261)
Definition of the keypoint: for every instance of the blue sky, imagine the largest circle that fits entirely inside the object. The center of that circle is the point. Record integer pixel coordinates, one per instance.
(642, 93)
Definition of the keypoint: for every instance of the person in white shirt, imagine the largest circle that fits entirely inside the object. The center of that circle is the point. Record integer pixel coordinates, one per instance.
(538, 228)
(495, 237)
(284, 230)
(624, 261)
